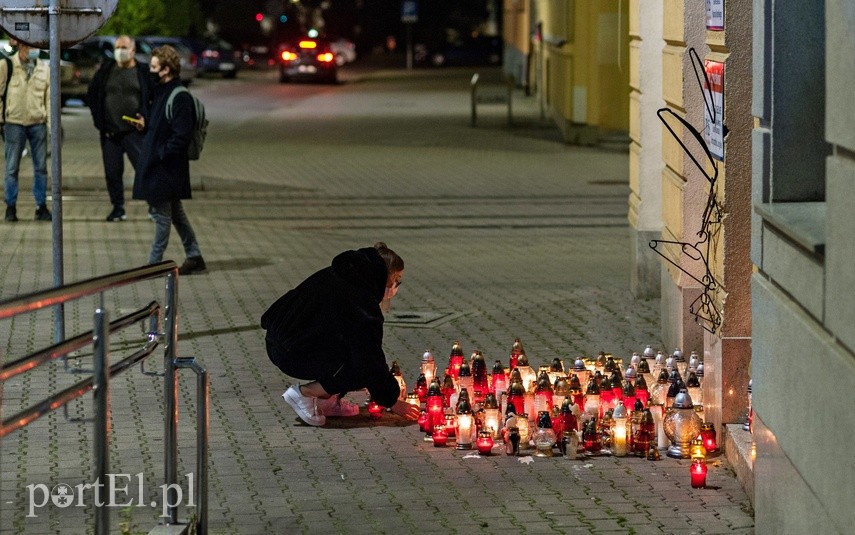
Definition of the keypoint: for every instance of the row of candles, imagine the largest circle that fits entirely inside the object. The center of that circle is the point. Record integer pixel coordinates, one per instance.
(534, 412)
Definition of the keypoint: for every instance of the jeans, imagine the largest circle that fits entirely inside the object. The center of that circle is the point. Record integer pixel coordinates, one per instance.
(165, 215)
(113, 150)
(16, 139)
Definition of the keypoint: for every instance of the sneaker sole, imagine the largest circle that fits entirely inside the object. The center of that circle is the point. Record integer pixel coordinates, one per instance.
(295, 406)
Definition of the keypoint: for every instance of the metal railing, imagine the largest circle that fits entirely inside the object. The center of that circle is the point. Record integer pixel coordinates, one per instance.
(478, 96)
(103, 372)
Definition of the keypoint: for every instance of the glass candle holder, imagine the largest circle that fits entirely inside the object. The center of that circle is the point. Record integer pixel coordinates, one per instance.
(484, 443)
(440, 436)
(698, 472)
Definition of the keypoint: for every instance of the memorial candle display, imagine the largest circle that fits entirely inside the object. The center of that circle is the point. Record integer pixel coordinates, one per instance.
(543, 414)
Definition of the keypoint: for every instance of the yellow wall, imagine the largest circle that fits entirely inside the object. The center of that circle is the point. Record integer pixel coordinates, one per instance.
(584, 64)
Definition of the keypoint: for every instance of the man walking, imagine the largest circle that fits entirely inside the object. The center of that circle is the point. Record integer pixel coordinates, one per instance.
(120, 88)
(25, 112)
(163, 171)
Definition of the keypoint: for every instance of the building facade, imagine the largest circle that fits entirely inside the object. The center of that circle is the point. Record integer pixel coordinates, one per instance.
(742, 166)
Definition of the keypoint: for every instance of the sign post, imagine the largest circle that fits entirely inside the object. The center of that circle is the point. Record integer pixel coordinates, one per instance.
(409, 16)
(62, 22)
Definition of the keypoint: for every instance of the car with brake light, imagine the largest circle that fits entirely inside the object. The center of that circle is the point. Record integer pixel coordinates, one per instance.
(307, 59)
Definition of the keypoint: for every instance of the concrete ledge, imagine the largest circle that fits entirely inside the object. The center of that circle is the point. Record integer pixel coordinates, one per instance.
(170, 529)
(738, 451)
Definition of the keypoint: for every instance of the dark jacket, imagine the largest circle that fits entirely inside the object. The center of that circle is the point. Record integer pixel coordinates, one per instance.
(95, 96)
(163, 170)
(331, 323)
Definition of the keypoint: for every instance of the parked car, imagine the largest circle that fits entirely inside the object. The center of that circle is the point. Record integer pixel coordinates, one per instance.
(343, 48)
(482, 50)
(257, 56)
(82, 63)
(189, 60)
(307, 59)
(215, 56)
(75, 70)
(102, 46)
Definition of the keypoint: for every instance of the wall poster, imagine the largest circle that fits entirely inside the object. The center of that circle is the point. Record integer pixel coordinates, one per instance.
(714, 108)
(715, 14)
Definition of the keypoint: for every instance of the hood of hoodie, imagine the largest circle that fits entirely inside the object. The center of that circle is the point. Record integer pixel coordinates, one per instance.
(363, 270)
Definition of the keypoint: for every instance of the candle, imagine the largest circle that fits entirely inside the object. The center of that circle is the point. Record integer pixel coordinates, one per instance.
(465, 427)
(375, 410)
(440, 436)
(658, 412)
(619, 438)
(484, 443)
(708, 434)
(699, 474)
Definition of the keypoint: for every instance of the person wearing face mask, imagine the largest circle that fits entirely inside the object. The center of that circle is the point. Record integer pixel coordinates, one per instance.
(121, 88)
(25, 114)
(329, 331)
(163, 171)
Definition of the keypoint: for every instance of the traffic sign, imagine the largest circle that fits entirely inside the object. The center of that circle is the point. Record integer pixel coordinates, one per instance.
(409, 11)
(27, 20)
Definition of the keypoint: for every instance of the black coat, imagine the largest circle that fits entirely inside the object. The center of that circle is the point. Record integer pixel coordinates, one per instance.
(163, 171)
(95, 96)
(332, 322)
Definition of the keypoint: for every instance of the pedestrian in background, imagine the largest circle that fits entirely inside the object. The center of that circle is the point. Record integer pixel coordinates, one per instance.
(25, 118)
(163, 171)
(120, 89)
(329, 331)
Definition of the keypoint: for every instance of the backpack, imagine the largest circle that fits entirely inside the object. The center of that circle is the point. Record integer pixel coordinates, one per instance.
(200, 125)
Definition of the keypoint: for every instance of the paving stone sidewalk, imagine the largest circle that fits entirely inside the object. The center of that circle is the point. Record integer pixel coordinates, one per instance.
(506, 233)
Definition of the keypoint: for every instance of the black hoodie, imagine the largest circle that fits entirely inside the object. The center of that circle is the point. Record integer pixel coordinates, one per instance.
(331, 322)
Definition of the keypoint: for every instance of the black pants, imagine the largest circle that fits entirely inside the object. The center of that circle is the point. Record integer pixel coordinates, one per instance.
(113, 150)
(334, 378)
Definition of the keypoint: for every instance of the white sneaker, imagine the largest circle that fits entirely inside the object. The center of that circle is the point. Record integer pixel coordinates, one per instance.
(337, 406)
(306, 407)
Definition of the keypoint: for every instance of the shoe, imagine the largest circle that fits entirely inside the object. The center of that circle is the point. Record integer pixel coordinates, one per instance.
(337, 406)
(192, 265)
(42, 213)
(118, 214)
(306, 407)
(11, 213)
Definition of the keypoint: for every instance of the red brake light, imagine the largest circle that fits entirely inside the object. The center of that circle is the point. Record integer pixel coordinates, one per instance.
(326, 57)
(308, 44)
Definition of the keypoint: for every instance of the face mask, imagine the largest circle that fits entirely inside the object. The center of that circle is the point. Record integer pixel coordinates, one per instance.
(33, 55)
(122, 55)
(390, 292)
(154, 77)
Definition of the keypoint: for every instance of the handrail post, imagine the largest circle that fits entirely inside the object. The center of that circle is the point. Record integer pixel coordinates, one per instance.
(474, 88)
(101, 400)
(510, 82)
(170, 393)
(202, 423)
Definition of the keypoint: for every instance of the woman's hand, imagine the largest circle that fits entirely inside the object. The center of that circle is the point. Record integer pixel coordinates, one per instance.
(408, 411)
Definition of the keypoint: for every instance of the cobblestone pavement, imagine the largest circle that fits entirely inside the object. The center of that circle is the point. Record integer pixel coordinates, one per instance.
(506, 232)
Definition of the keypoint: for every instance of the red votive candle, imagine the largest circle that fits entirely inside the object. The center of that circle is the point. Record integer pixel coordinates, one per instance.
(699, 474)
(484, 443)
(440, 436)
(375, 410)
